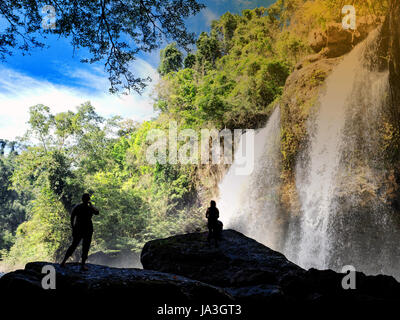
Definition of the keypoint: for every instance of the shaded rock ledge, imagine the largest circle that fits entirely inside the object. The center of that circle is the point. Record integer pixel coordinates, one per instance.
(184, 269)
(252, 272)
(141, 286)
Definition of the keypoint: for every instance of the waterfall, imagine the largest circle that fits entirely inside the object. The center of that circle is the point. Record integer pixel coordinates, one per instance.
(250, 203)
(317, 169)
(339, 178)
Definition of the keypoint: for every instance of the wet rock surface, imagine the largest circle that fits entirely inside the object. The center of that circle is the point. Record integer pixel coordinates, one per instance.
(120, 259)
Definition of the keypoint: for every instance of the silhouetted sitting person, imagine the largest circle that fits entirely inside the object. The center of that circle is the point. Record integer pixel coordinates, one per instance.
(214, 226)
(82, 229)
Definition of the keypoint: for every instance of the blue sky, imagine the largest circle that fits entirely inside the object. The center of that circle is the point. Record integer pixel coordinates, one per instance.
(55, 77)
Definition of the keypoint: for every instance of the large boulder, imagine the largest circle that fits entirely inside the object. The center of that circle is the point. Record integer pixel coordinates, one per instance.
(253, 273)
(140, 286)
(238, 261)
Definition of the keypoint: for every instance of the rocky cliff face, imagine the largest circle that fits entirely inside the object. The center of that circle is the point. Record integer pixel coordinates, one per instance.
(368, 186)
(335, 41)
(390, 58)
(299, 102)
(393, 34)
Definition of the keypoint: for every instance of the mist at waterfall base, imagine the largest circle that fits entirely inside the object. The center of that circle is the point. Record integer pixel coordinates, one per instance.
(341, 221)
(244, 198)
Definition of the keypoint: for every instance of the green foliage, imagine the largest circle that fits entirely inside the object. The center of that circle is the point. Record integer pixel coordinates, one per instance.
(52, 171)
(12, 203)
(170, 59)
(45, 234)
(208, 50)
(81, 152)
(124, 214)
(190, 61)
(237, 72)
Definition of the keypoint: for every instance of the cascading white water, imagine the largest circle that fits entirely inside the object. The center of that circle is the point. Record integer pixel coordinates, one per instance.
(335, 226)
(317, 170)
(315, 179)
(245, 199)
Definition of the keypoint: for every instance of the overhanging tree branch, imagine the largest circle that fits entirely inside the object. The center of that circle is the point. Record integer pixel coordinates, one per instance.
(113, 31)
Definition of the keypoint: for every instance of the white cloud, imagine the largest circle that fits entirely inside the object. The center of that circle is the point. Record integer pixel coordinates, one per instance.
(18, 92)
(209, 16)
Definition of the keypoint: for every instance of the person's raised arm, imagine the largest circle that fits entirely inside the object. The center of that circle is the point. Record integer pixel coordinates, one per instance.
(95, 210)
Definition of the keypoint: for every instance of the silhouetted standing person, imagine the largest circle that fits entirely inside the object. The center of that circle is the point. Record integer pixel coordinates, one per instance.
(82, 229)
(212, 215)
